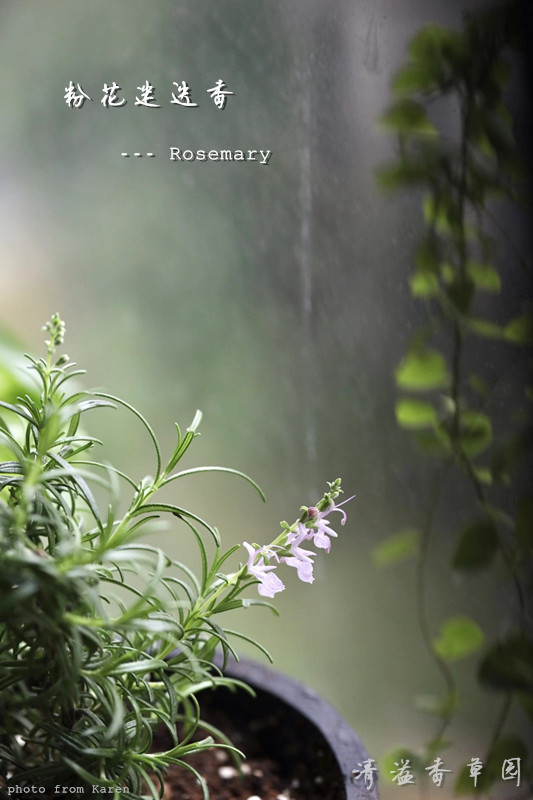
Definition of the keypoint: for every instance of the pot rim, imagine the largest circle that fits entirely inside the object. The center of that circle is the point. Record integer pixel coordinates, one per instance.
(346, 746)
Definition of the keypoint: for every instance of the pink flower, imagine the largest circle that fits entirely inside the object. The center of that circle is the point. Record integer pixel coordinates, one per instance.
(320, 530)
(299, 535)
(269, 583)
(301, 559)
(286, 549)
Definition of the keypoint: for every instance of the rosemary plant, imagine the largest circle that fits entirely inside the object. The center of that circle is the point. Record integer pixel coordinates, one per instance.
(103, 638)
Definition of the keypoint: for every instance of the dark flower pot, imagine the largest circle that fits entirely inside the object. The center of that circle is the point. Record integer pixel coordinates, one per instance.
(289, 725)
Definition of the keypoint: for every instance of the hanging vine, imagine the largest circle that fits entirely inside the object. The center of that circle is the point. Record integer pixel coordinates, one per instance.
(457, 80)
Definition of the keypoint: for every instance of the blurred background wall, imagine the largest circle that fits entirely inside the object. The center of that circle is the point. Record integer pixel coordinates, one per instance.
(274, 298)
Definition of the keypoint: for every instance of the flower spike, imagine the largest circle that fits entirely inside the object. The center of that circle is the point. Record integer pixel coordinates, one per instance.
(269, 583)
(313, 525)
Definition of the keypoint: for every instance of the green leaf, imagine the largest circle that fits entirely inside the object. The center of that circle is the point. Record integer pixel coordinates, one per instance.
(425, 71)
(448, 272)
(143, 666)
(475, 432)
(434, 44)
(443, 211)
(489, 330)
(424, 284)
(484, 276)
(459, 637)
(520, 330)
(422, 370)
(398, 547)
(484, 475)
(415, 414)
(509, 666)
(408, 116)
(478, 545)
(229, 470)
(416, 77)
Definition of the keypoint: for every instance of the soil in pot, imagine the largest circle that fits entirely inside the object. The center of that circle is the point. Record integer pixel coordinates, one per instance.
(287, 757)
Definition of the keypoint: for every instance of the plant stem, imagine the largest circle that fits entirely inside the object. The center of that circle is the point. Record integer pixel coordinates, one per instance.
(421, 588)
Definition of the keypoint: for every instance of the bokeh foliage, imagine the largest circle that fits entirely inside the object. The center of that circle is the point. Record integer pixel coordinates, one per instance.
(445, 400)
